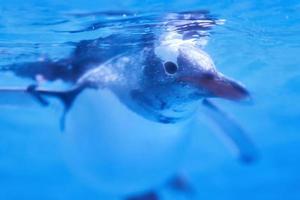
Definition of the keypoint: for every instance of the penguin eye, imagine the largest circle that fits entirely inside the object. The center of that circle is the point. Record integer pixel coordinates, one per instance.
(170, 67)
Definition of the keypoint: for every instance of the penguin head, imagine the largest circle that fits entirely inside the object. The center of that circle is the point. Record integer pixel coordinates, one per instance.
(179, 74)
(183, 66)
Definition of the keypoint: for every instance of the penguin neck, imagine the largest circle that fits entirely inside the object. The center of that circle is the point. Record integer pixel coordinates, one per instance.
(163, 108)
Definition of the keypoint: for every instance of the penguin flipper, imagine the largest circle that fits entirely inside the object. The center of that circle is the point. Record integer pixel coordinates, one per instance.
(232, 133)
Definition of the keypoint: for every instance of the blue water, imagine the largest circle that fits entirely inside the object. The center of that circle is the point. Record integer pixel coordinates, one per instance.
(259, 45)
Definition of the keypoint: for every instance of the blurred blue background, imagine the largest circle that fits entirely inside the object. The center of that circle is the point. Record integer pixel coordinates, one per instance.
(258, 45)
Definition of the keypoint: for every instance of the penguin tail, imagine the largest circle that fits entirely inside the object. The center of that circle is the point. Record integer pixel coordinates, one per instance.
(21, 97)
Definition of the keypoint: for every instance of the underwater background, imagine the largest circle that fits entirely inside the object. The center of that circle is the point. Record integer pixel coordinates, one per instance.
(259, 45)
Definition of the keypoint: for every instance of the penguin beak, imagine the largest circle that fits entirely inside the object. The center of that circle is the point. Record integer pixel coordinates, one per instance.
(215, 84)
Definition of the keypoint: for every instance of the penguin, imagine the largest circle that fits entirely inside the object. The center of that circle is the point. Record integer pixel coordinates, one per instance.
(161, 83)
